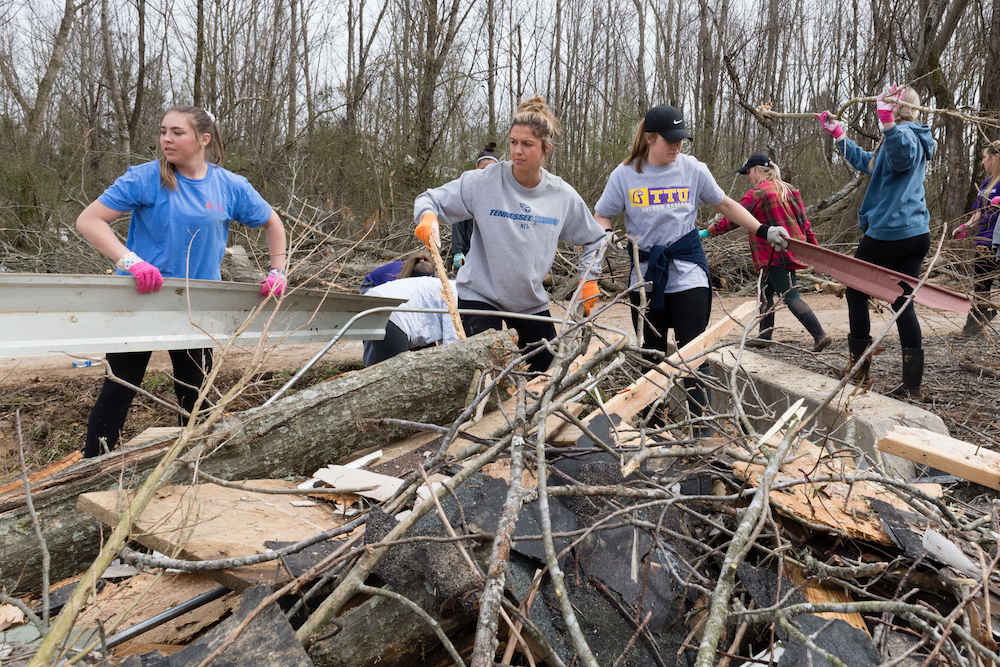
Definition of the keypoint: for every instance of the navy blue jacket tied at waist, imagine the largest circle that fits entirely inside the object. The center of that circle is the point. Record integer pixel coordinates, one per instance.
(687, 248)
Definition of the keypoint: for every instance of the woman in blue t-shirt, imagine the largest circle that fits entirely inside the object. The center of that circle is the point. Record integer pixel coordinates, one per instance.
(984, 222)
(181, 207)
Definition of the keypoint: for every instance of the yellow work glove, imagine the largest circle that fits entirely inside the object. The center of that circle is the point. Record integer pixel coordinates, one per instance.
(589, 295)
(429, 229)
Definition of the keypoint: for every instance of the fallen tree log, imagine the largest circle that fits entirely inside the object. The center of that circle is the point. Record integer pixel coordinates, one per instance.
(293, 437)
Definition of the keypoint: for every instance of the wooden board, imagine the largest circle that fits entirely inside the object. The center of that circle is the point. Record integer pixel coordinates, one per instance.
(206, 522)
(833, 504)
(41, 473)
(120, 605)
(817, 593)
(152, 433)
(136, 648)
(634, 398)
(956, 457)
(342, 477)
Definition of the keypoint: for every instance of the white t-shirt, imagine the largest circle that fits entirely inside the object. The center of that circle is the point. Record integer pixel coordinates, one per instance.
(661, 206)
(423, 292)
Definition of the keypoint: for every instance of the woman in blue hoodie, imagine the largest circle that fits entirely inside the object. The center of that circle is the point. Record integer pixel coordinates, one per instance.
(894, 219)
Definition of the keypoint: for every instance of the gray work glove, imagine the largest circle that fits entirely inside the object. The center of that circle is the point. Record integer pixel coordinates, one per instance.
(776, 235)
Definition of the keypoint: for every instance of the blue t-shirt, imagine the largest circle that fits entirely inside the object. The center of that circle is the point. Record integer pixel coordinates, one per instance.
(183, 232)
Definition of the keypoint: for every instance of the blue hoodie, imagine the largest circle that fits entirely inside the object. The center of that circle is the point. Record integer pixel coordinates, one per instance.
(894, 207)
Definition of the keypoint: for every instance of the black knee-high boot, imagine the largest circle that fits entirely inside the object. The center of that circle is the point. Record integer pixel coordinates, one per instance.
(767, 326)
(913, 373)
(820, 340)
(857, 347)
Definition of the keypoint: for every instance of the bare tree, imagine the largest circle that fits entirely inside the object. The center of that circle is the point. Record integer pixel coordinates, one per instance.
(111, 76)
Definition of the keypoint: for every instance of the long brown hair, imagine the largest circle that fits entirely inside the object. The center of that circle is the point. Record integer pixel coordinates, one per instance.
(640, 148)
(202, 123)
(419, 263)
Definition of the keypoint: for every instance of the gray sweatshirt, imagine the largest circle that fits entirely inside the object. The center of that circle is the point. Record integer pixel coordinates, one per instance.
(515, 234)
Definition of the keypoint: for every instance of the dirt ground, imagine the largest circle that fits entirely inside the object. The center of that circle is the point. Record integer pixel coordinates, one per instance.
(54, 398)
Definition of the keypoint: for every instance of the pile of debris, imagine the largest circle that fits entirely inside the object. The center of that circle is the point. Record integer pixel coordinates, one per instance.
(550, 522)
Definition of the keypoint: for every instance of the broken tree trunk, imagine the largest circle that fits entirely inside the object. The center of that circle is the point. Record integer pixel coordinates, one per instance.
(295, 436)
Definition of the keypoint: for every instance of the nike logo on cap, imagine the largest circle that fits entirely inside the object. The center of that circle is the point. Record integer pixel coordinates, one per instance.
(676, 122)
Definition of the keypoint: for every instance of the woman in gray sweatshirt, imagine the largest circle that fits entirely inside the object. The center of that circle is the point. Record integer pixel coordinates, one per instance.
(521, 212)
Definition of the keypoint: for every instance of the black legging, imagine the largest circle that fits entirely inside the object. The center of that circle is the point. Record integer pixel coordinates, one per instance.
(528, 331)
(687, 313)
(395, 342)
(985, 268)
(108, 415)
(904, 256)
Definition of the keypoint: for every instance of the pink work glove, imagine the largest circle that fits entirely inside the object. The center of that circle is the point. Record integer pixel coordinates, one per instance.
(830, 126)
(886, 103)
(960, 232)
(147, 277)
(275, 283)
(995, 201)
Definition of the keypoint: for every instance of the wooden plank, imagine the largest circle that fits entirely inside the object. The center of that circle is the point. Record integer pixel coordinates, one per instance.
(135, 648)
(342, 477)
(41, 473)
(128, 602)
(631, 401)
(152, 433)
(817, 592)
(956, 457)
(843, 507)
(205, 522)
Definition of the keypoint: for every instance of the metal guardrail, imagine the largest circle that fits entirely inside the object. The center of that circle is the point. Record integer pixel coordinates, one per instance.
(84, 315)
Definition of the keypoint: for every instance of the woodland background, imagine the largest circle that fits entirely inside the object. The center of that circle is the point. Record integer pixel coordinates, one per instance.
(340, 111)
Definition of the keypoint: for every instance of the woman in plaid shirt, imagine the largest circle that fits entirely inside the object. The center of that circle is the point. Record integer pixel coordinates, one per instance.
(774, 202)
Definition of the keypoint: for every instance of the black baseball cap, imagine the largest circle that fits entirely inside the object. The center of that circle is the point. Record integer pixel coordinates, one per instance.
(667, 121)
(755, 160)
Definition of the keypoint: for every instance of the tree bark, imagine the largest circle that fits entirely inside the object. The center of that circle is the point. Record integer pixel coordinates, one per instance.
(640, 60)
(294, 437)
(45, 86)
(293, 79)
(140, 78)
(381, 631)
(491, 67)
(199, 54)
(114, 90)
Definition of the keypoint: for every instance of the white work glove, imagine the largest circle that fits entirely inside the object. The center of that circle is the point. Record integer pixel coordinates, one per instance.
(776, 235)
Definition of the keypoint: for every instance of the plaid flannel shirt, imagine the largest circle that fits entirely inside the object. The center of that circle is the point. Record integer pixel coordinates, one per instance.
(765, 203)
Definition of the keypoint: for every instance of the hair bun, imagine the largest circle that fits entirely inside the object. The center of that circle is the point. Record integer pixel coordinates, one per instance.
(537, 115)
(491, 147)
(536, 104)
